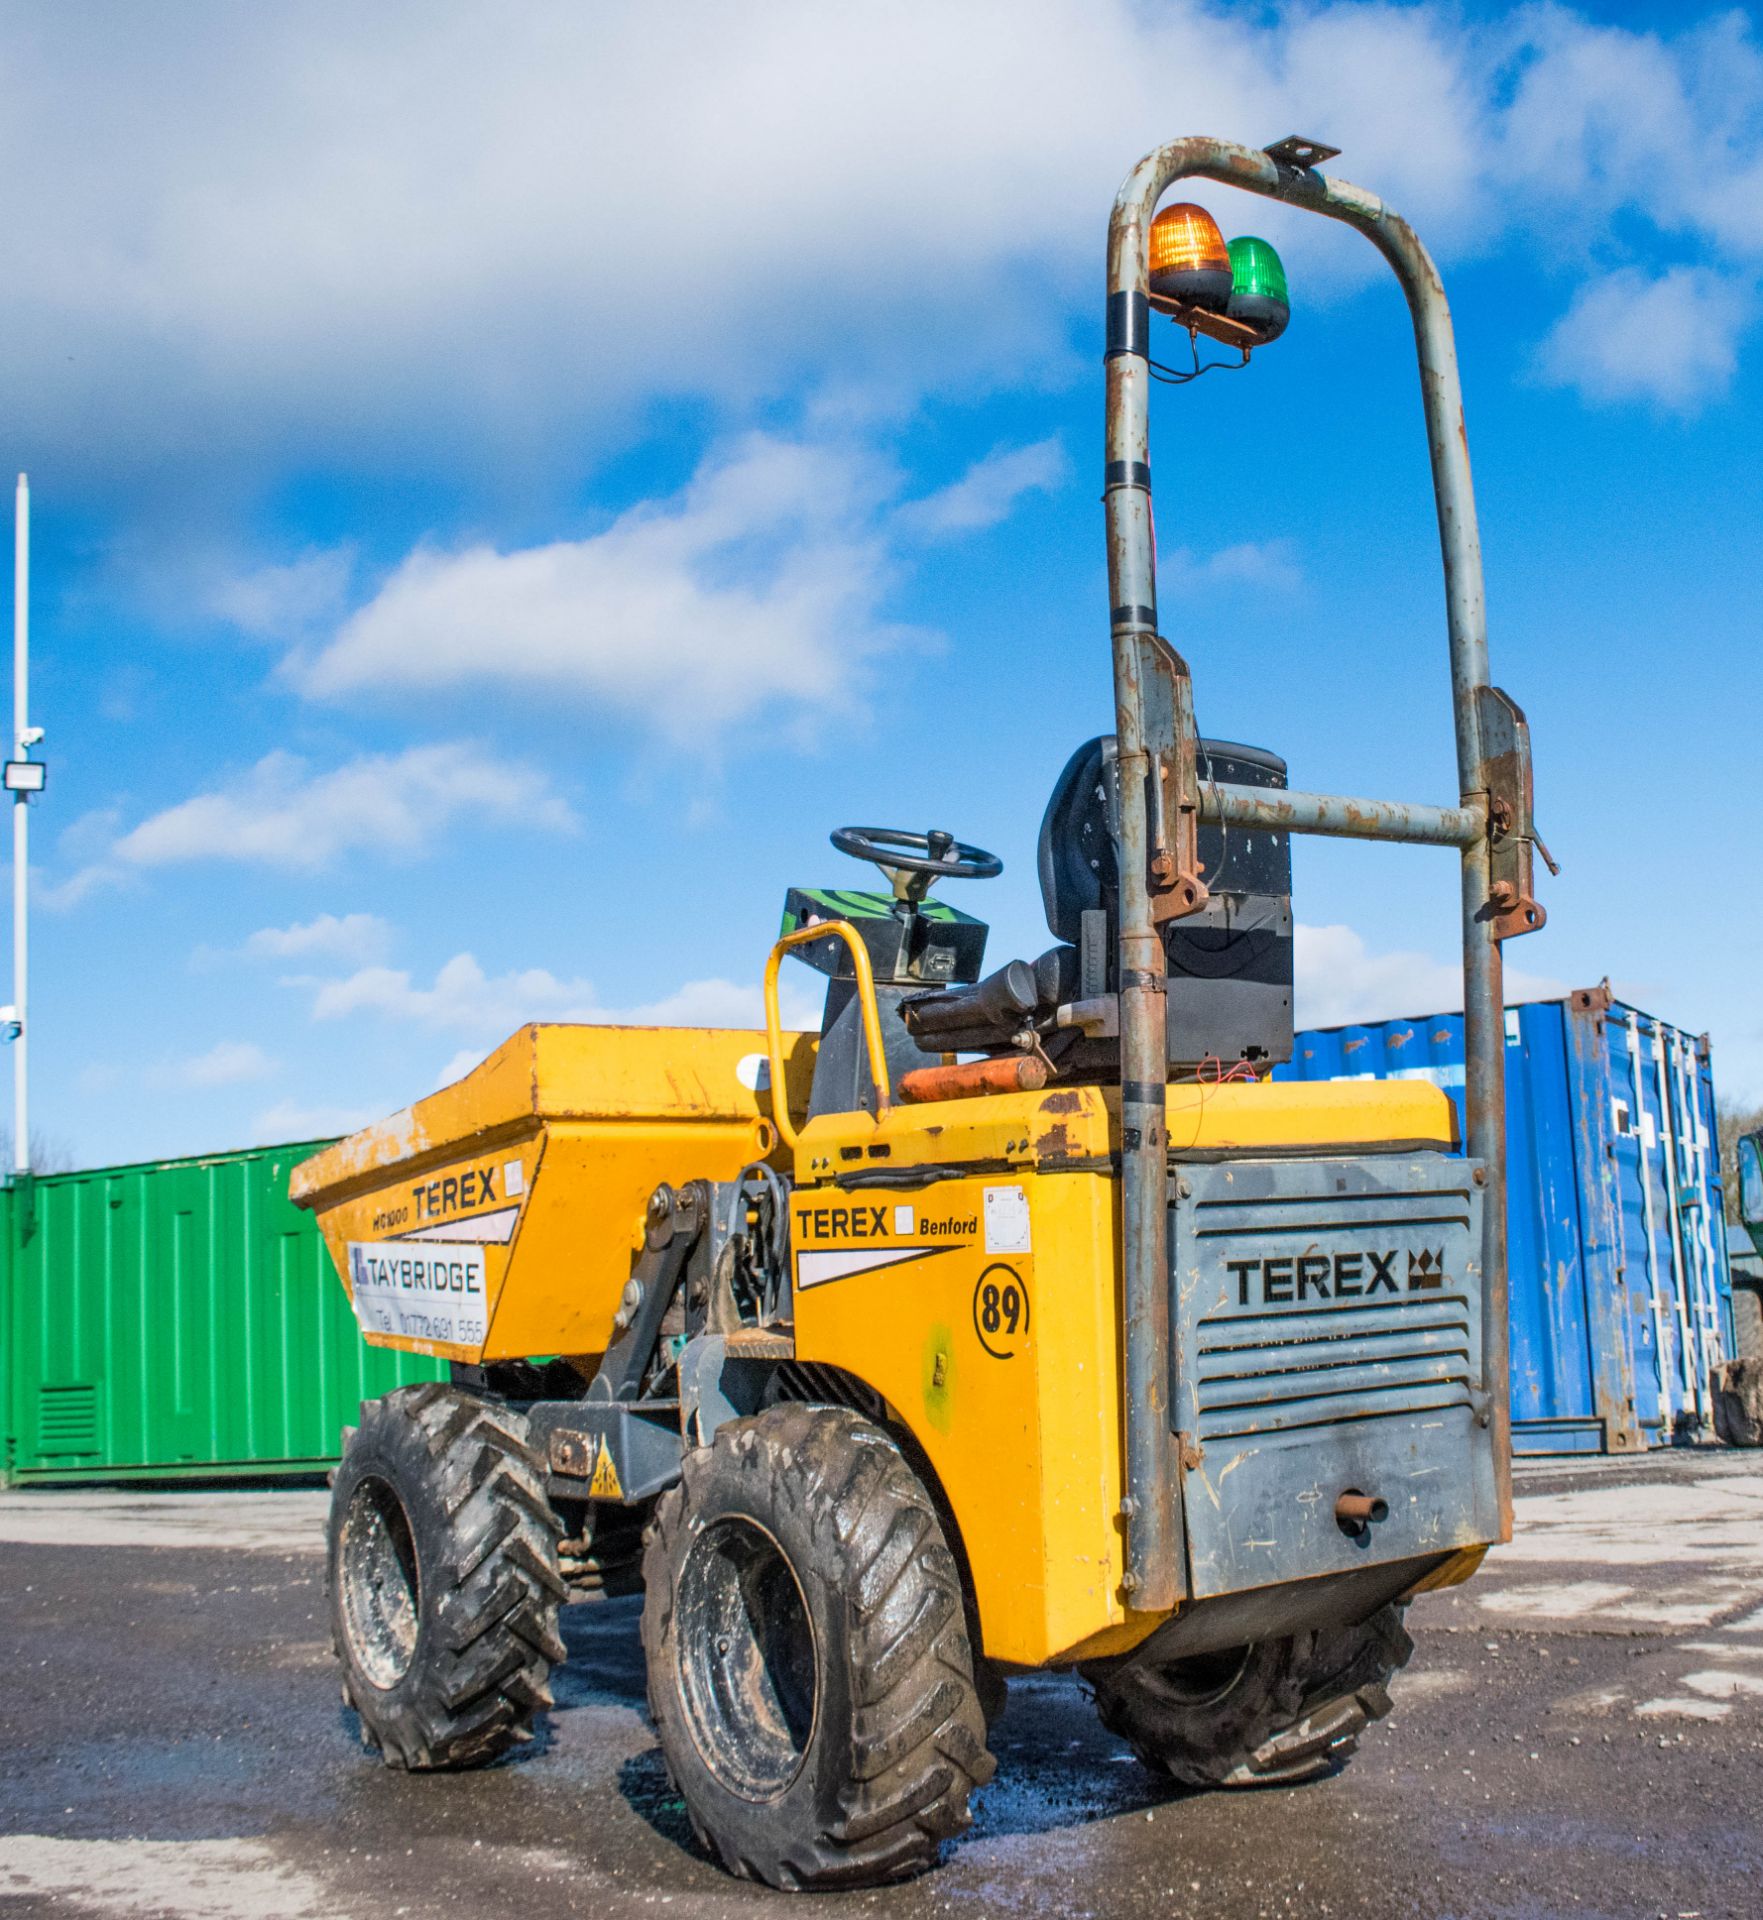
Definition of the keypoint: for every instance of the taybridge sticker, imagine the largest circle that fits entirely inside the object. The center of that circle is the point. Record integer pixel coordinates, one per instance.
(420, 1290)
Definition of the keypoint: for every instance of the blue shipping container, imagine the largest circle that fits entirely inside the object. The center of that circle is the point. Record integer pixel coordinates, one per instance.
(1620, 1289)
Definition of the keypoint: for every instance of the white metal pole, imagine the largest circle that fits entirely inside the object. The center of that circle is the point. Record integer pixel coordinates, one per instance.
(21, 652)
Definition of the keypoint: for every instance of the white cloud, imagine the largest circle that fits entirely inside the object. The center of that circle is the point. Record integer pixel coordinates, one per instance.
(460, 1065)
(349, 936)
(699, 1003)
(57, 895)
(464, 999)
(989, 490)
(759, 581)
(229, 1063)
(1672, 340)
(290, 1120)
(1270, 565)
(723, 1003)
(281, 814)
(1341, 981)
(286, 602)
(458, 228)
(1606, 119)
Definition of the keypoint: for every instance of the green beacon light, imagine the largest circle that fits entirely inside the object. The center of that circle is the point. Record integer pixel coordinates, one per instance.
(1258, 298)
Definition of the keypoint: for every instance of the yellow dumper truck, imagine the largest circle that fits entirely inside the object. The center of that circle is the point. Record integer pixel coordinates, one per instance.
(1017, 1318)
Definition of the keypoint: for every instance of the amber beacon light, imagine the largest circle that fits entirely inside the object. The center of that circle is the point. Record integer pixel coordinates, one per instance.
(1189, 260)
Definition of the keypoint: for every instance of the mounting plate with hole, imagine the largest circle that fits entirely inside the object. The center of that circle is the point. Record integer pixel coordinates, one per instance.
(1295, 151)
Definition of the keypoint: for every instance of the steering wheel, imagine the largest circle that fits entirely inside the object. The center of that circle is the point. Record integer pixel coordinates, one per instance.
(915, 862)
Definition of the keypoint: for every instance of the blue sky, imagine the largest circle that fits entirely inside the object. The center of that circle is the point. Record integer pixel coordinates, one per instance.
(508, 482)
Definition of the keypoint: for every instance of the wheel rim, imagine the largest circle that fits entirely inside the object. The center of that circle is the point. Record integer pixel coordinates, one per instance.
(746, 1658)
(380, 1588)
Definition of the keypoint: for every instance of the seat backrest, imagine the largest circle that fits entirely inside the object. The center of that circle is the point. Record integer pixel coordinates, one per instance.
(1230, 966)
(1078, 868)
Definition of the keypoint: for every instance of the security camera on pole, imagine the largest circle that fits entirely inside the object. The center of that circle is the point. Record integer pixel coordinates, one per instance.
(24, 776)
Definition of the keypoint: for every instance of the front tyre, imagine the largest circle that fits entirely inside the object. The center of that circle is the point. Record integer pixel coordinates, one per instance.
(810, 1673)
(1273, 1713)
(443, 1579)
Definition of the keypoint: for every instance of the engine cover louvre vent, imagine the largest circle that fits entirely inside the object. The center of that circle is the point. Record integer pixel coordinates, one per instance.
(1271, 1372)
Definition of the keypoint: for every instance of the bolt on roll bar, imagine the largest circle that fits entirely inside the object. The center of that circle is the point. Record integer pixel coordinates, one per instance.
(1162, 801)
(1279, 810)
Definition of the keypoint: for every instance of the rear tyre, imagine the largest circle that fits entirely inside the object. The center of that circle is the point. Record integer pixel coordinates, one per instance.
(443, 1579)
(1273, 1713)
(810, 1672)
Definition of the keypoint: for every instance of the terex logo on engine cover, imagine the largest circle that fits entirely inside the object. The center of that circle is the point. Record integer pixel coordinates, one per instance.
(1293, 1279)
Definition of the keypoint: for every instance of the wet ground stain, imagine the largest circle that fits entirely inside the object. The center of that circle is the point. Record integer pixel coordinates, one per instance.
(182, 1695)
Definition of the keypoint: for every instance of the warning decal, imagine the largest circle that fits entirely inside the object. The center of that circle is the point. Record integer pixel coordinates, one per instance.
(605, 1484)
(1007, 1221)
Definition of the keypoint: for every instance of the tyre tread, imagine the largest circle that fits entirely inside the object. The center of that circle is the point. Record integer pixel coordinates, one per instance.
(919, 1742)
(1312, 1696)
(490, 1637)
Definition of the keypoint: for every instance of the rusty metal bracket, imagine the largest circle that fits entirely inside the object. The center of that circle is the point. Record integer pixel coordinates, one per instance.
(1172, 797)
(1512, 834)
(672, 1227)
(619, 1452)
(1598, 999)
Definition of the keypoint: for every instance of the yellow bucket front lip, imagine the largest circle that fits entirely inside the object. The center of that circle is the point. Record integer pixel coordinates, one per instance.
(562, 1071)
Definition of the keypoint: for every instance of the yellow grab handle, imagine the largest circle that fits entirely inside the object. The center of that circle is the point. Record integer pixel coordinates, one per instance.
(872, 1035)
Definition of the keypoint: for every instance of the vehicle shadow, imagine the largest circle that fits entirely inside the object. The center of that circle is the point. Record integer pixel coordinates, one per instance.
(652, 1796)
(605, 1665)
(1058, 1767)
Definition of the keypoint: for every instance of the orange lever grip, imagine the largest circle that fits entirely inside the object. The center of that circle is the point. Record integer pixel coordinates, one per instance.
(973, 1078)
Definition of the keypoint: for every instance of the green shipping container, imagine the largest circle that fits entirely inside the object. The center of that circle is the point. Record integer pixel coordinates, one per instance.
(176, 1319)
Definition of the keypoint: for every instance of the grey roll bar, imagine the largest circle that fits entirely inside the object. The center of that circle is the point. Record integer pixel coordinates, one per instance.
(1162, 802)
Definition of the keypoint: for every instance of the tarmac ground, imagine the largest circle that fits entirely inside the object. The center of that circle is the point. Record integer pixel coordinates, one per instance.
(1580, 1733)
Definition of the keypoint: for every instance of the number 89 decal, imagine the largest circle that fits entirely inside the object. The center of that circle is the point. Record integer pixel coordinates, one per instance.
(1000, 1311)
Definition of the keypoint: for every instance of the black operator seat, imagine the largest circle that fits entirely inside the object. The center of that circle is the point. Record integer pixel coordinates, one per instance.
(1230, 965)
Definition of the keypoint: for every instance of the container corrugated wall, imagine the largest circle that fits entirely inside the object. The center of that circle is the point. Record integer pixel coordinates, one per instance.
(177, 1318)
(1620, 1291)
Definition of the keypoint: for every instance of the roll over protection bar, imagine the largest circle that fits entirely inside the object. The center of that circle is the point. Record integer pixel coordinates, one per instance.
(1162, 802)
